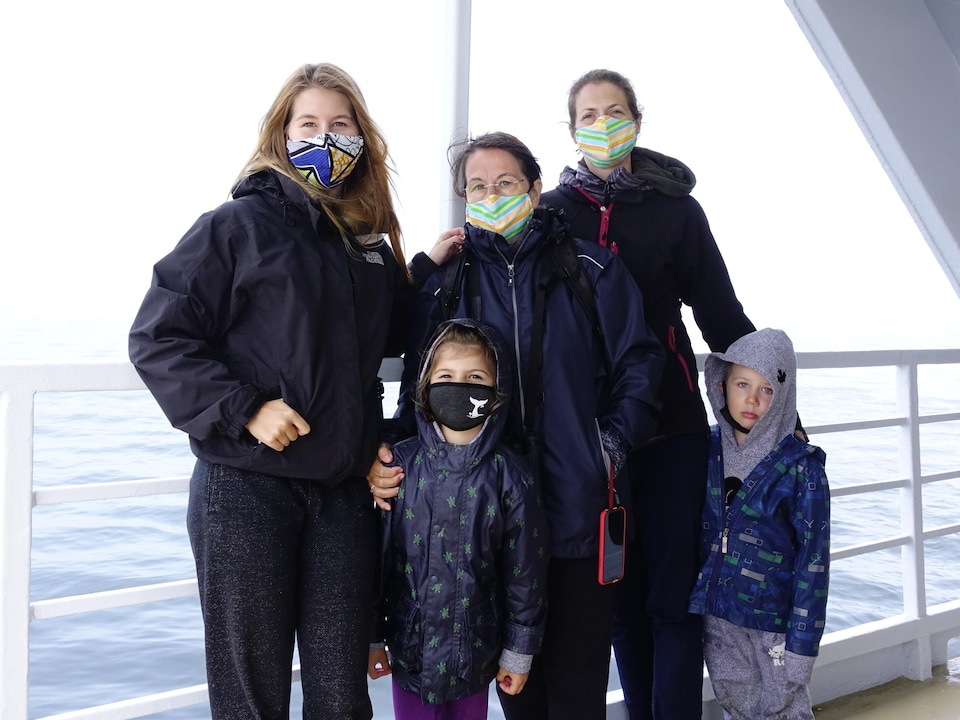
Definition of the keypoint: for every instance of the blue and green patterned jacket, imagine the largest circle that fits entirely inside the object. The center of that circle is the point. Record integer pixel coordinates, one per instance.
(765, 562)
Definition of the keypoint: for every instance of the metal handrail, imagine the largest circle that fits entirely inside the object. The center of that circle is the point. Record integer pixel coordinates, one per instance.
(20, 383)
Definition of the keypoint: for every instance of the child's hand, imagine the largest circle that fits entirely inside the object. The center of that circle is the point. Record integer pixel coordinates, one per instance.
(378, 664)
(449, 243)
(510, 682)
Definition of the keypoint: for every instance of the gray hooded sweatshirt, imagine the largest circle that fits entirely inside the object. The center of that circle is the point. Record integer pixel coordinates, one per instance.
(770, 353)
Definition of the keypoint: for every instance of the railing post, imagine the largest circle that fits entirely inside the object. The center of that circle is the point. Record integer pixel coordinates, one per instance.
(918, 661)
(16, 514)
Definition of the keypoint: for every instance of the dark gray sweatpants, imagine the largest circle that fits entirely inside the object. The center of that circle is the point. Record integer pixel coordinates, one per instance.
(752, 674)
(279, 560)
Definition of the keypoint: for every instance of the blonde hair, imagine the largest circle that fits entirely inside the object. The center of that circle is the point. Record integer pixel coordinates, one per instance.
(363, 206)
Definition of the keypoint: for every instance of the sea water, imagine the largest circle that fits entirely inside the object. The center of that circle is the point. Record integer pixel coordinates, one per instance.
(112, 655)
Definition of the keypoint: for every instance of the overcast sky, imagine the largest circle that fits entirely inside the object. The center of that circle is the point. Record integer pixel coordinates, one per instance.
(124, 121)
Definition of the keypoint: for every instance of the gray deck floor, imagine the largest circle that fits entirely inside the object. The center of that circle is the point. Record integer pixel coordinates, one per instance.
(934, 699)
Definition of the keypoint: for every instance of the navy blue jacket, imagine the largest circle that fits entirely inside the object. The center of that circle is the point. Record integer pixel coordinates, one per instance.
(666, 243)
(261, 300)
(465, 555)
(582, 392)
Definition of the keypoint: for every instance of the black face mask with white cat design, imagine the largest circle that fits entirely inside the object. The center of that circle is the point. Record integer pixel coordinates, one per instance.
(460, 406)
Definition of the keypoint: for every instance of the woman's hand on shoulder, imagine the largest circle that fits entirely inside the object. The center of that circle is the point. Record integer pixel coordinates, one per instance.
(276, 425)
(449, 243)
(384, 481)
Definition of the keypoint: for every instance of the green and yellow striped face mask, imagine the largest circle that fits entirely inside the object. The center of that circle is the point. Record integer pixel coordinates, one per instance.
(607, 141)
(506, 216)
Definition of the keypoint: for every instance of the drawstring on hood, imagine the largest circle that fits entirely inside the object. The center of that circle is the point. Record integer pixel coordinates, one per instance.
(770, 353)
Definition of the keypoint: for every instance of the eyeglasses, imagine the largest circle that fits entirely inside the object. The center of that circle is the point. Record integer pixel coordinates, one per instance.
(503, 187)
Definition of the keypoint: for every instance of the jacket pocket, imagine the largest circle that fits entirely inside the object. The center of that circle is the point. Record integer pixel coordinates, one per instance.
(481, 642)
(404, 636)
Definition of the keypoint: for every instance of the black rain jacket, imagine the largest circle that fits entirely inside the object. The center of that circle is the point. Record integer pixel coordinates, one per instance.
(261, 300)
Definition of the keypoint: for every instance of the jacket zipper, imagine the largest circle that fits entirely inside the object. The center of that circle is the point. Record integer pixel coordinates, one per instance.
(672, 342)
(605, 212)
(516, 336)
(724, 515)
(511, 275)
(606, 209)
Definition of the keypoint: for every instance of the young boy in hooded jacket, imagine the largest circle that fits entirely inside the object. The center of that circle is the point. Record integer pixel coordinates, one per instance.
(765, 542)
(465, 545)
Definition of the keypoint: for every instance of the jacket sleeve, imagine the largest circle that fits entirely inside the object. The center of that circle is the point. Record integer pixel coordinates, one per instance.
(172, 342)
(380, 600)
(421, 267)
(523, 563)
(705, 284)
(635, 356)
(811, 522)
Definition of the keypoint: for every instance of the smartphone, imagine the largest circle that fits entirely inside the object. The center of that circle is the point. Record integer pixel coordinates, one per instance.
(613, 536)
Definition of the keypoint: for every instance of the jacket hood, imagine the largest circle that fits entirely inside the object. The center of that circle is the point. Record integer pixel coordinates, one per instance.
(290, 197)
(281, 189)
(664, 173)
(770, 353)
(493, 425)
(656, 170)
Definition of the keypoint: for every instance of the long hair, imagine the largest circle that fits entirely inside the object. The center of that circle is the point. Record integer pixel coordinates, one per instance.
(363, 206)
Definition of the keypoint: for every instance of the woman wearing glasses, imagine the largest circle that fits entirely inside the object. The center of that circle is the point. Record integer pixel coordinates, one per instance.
(594, 400)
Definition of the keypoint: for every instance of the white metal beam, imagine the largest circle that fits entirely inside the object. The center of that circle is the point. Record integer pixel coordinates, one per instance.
(897, 72)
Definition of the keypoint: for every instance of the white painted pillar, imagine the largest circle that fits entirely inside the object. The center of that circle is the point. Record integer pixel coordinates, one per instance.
(455, 102)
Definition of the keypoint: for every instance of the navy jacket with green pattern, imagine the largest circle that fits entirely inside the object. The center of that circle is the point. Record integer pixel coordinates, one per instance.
(465, 552)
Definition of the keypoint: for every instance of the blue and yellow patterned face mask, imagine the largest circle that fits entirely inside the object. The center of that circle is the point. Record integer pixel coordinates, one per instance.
(325, 160)
(506, 216)
(607, 141)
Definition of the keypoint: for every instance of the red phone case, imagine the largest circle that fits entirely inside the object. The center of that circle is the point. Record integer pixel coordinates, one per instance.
(613, 536)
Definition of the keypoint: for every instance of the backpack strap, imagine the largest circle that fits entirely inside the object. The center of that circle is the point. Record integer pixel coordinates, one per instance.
(459, 273)
(451, 284)
(564, 264)
(567, 264)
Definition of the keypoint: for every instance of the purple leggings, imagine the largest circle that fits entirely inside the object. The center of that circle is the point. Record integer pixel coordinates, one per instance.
(408, 706)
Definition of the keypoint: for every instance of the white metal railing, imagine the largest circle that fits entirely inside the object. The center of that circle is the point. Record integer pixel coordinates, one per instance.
(909, 644)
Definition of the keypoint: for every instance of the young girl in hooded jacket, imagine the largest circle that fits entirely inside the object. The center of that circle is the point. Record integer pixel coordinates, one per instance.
(465, 546)
(765, 542)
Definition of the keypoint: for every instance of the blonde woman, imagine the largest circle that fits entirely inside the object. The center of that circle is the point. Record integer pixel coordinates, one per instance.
(261, 336)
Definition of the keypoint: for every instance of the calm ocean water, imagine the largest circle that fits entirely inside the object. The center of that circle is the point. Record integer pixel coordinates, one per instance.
(89, 547)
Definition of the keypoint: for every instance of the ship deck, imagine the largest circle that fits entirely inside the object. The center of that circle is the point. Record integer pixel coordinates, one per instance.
(935, 699)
